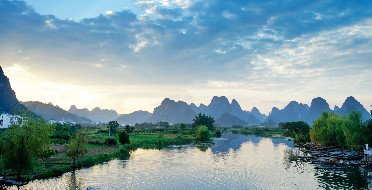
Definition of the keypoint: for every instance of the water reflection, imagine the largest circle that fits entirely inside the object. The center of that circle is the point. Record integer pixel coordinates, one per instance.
(233, 162)
(230, 141)
(73, 182)
(350, 177)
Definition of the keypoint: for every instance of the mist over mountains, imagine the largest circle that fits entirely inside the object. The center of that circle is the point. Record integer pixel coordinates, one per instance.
(224, 112)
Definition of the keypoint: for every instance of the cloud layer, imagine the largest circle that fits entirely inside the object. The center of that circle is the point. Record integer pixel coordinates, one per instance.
(260, 52)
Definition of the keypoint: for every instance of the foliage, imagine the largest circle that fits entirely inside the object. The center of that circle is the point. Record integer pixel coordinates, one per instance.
(299, 131)
(202, 133)
(76, 147)
(123, 137)
(368, 124)
(113, 127)
(218, 133)
(335, 130)
(183, 126)
(202, 119)
(64, 132)
(110, 142)
(22, 144)
(129, 129)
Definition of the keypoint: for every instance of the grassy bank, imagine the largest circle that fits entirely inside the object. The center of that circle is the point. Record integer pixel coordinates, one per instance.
(101, 148)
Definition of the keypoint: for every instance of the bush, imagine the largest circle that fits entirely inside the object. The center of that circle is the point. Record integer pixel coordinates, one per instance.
(110, 142)
(123, 137)
(299, 131)
(218, 133)
(202, 133)
(335, 130)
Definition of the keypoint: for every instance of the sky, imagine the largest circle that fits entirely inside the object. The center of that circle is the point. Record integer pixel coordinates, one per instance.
(129, 55)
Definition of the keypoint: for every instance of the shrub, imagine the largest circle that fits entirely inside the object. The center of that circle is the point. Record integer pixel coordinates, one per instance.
(202, 133)
(123, 137)
(110, 142)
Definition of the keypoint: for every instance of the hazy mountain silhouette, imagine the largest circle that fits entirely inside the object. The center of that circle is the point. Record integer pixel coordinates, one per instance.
(228, 120)
(294, 111)
(318, 105)
(350, 105)
(97, 115)
(55, 113)
(221, 105)
(256, 113)
(172, 112)
(133, 118)
(8, 101)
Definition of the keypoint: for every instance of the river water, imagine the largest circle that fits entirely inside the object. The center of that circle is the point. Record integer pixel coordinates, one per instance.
(234, 162)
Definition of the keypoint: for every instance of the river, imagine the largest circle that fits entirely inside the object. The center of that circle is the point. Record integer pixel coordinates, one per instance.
(234, 162)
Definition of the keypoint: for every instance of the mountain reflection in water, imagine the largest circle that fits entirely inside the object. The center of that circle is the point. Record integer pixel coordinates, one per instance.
(234, 162)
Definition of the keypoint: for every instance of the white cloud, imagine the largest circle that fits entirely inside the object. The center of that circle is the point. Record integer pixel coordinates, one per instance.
(109, 13)
(49, 23)
(223, 84)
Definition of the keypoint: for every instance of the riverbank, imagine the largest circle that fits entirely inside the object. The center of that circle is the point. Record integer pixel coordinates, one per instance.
(333, 155)
(101, 148)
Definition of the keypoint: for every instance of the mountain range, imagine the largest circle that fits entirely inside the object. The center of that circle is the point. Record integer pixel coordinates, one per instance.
(225, 113)
(97, 115)
(51, 112)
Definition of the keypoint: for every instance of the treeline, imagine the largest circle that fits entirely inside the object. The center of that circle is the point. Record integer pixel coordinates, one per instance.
(332, 130)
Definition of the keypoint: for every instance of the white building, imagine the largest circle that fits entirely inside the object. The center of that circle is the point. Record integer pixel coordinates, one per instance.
(7, 120)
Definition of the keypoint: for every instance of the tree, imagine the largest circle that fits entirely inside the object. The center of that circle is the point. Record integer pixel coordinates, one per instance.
(335, 130)
(123, 137)
(368, 125)
(183, 126)
(202, 133)
(202, 119)
(218, 133)
(113, 127)
(355, 131)
(76, 147)
(129, 129)
(24, 143)
(299, 131)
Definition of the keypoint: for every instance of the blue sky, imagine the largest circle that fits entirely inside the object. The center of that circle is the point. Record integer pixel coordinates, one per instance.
(129, 55)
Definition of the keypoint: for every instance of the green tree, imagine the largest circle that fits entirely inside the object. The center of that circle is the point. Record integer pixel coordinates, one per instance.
(335, 130)
(123, 137)
(368, 125)
(129, 129)
(218, 133)
(299, 131)
(202, 133)
(24, 143)
(113, 127)
(183, 126)
(355, 131)
(76, 147)
(202, 119)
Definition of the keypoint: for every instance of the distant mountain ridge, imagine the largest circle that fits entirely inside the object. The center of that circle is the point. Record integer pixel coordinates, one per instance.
(97, 115)
(173, 112)
(54, 113)
(351, 104)
(224, 112)
(133, 118)
(301, 112)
